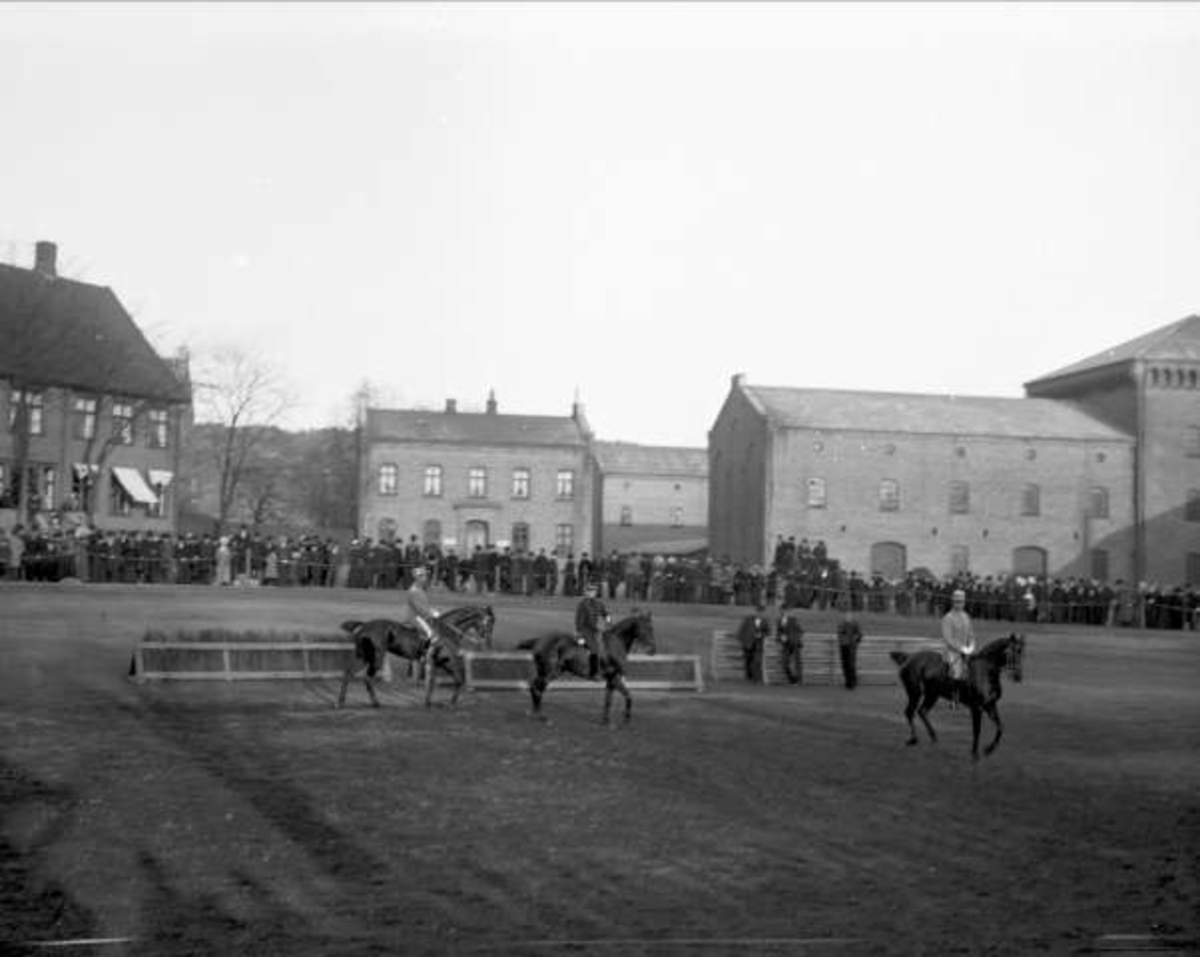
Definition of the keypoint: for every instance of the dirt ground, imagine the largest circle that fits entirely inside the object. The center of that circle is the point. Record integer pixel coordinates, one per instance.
(254, 819)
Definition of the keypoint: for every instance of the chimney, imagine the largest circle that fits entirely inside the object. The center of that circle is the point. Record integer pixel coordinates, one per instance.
(45, 258)
(451, 406)
(491, 403)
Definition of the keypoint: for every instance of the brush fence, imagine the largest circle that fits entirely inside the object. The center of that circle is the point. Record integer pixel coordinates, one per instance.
(822, 665)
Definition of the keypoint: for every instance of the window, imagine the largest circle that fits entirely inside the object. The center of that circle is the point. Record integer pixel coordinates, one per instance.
(158, 509)
(889, 495)
(1098, 502)
(159, 429)
(1099, 563)
(960, 559)
(1191, 442)
(83, 417)
(520, 483)
(1031, 500)
(960, 498)
(389, 479)
(120, 502)
(83, 486)
(676, 516)
(34, 405)
(49, 486)
(564, 484)
(433, 481)
(123, 423)
(816, 493)
(1191, 511)
(564, 538)
(626, 514)
(520, 537)
(477, 482)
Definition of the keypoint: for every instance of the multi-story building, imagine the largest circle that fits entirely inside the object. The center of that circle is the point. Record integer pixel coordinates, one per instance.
(467, 479)
(653, 499)
(1096, 472)
(93, 416)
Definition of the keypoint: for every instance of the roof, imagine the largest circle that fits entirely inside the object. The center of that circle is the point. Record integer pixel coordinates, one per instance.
(475, 428)
(66, 333)
(929, 414)
(626, 457)
(1178, 340)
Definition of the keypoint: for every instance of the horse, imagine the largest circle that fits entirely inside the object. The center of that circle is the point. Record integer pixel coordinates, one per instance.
(560, 651)
(473, 622)
(926, 677)
(379, 636)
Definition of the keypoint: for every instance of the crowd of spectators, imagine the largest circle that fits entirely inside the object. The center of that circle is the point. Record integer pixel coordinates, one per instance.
(799, 576)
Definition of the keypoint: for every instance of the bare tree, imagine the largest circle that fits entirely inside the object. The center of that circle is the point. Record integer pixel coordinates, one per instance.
(243, 394)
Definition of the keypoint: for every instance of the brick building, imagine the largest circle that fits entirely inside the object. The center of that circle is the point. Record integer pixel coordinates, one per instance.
(463, 479)
(94, 417)
(652, 498)
(1096, 472)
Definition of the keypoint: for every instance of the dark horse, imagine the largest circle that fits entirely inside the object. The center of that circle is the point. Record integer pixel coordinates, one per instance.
(472, 622)
(379, 636)
(926, 677)
(561, 651)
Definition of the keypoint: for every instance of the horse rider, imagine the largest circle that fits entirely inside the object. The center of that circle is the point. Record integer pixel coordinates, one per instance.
(421, 611)
(591, 618)
(958, 637)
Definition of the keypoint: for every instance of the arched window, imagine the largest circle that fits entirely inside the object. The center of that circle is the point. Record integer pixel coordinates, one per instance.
(889, 559)
(520, 537)
(626, 514)
(387, 530)
(1098, 502)
(1029, 560)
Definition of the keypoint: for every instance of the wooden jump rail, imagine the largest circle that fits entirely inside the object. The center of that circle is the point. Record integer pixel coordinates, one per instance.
(181, 660)
(820, 658)
(513, 670)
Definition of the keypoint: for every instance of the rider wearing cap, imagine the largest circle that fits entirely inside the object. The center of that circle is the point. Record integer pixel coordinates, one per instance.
(958, 636)
(591, 618)
(419, 608)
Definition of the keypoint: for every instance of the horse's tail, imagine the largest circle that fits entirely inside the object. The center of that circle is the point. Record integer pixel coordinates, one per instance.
(899, 657)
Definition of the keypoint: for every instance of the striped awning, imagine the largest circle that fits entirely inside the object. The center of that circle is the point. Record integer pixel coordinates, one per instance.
(131, 480)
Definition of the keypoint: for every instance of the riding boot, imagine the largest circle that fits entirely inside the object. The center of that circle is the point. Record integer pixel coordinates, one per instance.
(593, 666)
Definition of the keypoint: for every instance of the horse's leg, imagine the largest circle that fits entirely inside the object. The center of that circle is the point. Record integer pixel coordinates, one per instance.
(994, 713)
(914, 695)
(976, 724)
(620, 680)
(345, 684)
(371, 690)
(430, 668)
(608, 693)
(929, 696)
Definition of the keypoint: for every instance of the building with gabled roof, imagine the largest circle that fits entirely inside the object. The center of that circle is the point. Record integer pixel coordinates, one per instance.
(1096, 472)
(468, 480)
(95, 415)
(653, 499)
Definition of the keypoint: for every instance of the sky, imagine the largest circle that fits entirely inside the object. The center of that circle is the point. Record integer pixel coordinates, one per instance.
(625, 204)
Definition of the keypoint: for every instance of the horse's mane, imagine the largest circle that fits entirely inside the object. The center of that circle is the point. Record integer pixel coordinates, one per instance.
(996, 647)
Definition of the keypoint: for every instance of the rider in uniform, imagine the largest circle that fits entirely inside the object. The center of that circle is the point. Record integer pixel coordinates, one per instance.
(421, 611)
(591, 618)
(958, 636)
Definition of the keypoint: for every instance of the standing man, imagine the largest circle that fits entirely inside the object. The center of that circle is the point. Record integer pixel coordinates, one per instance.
(958, 636)
(591, 618)
(849, 637)
(752, 633)
(790, 634)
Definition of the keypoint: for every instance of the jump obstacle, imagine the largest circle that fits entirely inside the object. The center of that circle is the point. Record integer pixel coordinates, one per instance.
(819, 657)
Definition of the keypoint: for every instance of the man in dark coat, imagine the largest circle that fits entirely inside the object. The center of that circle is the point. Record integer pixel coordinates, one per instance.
(849, 636)
(752, 633)
(591, 618)
(790, 634)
